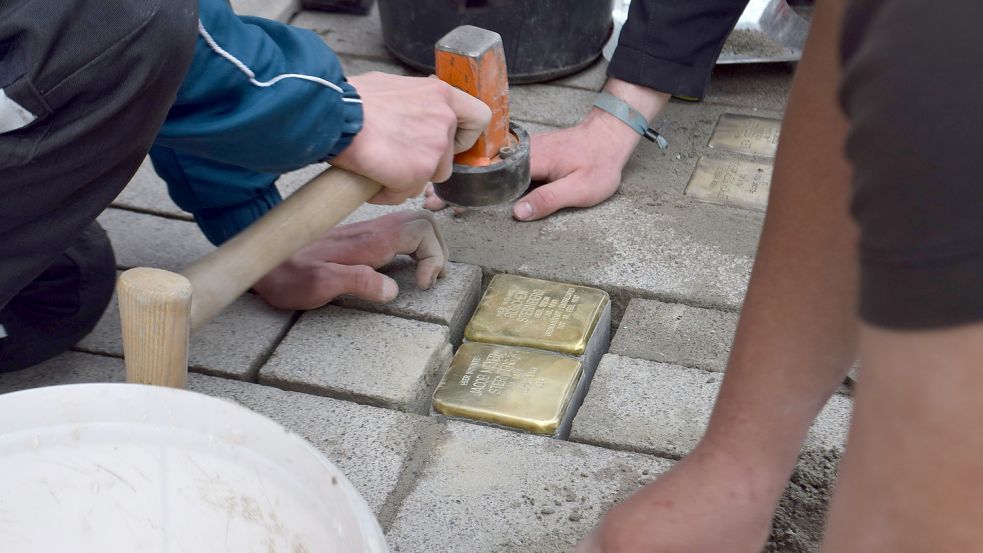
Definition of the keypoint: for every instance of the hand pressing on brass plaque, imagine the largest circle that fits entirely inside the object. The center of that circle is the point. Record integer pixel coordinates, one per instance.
(344, 261)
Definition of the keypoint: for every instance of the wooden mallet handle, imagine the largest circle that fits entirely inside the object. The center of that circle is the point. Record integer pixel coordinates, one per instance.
(158, 309)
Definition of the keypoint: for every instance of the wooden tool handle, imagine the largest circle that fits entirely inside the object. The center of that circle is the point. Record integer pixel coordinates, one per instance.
(155, 310)
(158, 309)
(222, 276)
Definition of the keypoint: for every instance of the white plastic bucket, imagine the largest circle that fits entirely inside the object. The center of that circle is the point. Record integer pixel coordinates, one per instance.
(127, 468)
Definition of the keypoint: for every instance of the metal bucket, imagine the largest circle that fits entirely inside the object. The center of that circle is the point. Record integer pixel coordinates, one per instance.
(543, 39)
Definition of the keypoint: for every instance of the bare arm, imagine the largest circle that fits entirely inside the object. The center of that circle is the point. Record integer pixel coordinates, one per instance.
(795, 341)
(798, 331)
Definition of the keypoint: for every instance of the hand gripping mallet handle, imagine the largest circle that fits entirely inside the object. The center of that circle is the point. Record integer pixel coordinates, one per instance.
(159, 309)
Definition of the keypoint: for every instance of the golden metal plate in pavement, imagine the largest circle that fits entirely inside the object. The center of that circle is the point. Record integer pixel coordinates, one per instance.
(746, 134)
(533, 313)
(516, 387)
(741, 183)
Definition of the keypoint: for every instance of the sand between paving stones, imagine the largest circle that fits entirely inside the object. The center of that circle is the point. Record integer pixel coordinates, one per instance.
(801, 514)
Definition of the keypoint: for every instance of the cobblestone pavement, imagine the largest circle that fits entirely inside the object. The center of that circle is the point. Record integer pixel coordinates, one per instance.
(355, 379)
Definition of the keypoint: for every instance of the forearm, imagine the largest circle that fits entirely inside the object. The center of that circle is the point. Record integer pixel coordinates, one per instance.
(797, 334)
(621, 139)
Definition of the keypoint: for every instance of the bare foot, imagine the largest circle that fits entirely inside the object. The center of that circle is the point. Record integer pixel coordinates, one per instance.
(710, 502)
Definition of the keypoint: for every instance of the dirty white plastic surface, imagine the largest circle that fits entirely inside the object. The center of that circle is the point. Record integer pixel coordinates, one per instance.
(125, 468)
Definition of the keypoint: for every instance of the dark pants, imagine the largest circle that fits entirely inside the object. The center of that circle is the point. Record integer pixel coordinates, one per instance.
(61, 305)
(99, 78)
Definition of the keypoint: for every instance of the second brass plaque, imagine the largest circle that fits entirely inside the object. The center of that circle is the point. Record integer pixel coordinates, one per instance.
(540, 314)
(746, 134)
(516, 387)
(739, 183)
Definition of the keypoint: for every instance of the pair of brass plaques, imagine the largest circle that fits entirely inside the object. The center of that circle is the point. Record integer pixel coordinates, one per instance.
(518, 367)
(737, 181)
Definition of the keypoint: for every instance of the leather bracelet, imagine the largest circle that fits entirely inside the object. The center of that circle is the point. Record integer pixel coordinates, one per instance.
(630, 116)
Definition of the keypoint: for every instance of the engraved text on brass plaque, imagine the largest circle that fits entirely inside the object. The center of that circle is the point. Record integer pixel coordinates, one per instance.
(528, 312)
(740, 183)
(746, 134)
(515, 387)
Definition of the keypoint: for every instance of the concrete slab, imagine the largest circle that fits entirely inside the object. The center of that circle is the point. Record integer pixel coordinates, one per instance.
(649, 240)
(356, 65)
(365, 357)
(148, 193)
(591, 78)
(142, 240)
(762, 86)
(676, 334)
(234, 344)
(347, 34)
(450, 303)
(281, 10)
(368, 444)
(485, 490)
(663, 409)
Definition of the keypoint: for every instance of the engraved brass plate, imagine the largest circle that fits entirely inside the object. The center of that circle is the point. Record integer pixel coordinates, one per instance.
(533, 313)
(520, 388)
(731, 182)
(746, 134)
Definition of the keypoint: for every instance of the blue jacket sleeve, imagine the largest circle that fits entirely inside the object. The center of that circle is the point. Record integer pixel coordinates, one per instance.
(261, 98)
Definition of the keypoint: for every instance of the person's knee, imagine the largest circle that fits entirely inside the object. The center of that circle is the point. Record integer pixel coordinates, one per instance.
(61, 306)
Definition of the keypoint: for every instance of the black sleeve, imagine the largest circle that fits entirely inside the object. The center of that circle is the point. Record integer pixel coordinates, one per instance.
(672, 45)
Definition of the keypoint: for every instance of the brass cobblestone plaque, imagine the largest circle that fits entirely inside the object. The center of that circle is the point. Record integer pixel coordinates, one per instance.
(740, 183)
(746, 134)
(515, 387)
(528, 312)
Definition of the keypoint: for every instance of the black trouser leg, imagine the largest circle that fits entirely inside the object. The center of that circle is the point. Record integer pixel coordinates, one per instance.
(61, 305)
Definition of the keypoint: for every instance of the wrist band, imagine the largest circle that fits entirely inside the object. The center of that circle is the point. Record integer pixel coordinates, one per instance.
(630, 116)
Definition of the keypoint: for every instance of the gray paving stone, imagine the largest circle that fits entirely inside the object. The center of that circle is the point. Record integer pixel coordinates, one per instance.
(591, 78)
(367, 357)
(355, 65)
(762, 86)
(281, 10)
(649, 240)
(550, 104)
(142, 240)
(148, 192)
(347, 34)
(676, 334)
(486, 490)
(450, 303)
(369, 445)
(68, 368)
(663, 409)
(755, 86)
(234, 344)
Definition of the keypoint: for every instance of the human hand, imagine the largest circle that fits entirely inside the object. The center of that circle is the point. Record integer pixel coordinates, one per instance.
(411, 130)
(344, 259)
(581, 165)
(709, 502)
